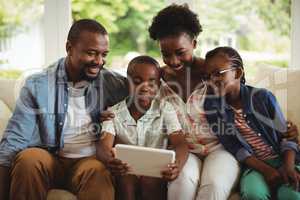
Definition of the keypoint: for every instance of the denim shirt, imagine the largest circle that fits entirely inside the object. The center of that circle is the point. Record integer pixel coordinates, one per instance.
(262, 113)
(41, 108)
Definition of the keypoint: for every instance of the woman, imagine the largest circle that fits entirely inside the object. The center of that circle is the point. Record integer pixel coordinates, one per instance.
(176, 29)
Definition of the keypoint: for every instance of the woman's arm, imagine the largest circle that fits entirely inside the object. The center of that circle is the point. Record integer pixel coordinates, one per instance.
(292, 132)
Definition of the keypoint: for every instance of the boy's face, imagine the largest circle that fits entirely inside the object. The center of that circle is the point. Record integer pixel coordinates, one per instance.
(222, 76)
(144, 82)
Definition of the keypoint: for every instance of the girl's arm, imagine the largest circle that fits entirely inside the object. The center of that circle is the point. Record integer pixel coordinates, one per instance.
(288, 171)
(271, 175)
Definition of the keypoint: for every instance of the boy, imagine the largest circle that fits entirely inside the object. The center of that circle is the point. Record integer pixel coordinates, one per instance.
(142, 120)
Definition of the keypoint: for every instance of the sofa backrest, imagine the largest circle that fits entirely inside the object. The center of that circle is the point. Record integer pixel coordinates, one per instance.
(284, 85)
(282, 82)
(8, 93)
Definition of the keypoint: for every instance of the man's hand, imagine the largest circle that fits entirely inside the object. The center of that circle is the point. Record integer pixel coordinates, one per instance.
(117, 167)
(290, 176)
(171, 172)
(106, 115)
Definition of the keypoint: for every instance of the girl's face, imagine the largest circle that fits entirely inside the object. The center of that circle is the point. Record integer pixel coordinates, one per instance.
(177, 51)
(223, 78)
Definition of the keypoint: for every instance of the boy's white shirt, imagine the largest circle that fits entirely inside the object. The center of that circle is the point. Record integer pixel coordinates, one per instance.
(151, 130)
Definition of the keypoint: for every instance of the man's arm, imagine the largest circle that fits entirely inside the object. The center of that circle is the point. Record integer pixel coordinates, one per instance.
(21, 125)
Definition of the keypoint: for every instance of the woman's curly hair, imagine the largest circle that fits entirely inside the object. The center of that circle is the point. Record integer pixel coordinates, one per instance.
(173, 20)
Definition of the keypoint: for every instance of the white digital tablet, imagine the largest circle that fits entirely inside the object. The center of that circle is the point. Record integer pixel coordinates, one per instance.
(145, 161)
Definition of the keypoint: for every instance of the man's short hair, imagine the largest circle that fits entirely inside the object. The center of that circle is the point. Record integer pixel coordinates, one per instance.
(89, 25)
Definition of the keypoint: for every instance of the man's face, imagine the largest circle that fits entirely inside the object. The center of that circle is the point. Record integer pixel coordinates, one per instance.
(87, 55)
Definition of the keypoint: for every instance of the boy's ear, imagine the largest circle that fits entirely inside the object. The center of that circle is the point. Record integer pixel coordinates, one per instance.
(239, 73)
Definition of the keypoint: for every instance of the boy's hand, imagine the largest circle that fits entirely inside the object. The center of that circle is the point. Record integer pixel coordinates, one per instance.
(171, 172)
(106, 115)
(290, 176)
(117, 167)
(272, 177)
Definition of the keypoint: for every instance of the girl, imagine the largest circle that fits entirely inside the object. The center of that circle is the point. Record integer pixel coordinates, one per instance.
(249, 123)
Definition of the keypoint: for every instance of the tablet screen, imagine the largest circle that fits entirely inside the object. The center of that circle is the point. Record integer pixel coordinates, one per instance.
(145, 161)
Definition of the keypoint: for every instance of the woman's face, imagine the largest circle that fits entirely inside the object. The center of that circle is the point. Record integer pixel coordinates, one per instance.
(177, 50)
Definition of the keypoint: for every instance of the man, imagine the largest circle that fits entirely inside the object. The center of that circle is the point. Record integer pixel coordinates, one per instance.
(50, 141)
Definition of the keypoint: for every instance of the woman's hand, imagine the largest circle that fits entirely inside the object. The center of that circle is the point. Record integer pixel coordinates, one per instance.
(292, 132)
(171, 173)
(117, 167)
(290, 176)
(106, 115)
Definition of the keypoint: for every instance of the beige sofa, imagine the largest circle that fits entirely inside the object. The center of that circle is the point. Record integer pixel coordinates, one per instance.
(282, 82)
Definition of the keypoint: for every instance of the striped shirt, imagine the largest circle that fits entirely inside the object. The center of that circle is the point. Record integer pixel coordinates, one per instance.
(261, 150)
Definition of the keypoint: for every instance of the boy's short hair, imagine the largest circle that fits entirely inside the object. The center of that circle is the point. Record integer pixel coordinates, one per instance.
(142, 60)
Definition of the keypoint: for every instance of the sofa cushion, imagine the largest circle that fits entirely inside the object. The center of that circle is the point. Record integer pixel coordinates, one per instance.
(57, 194)
(5, 114)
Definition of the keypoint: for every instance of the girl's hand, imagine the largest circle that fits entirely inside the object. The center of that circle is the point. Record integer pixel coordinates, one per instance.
(106, 115)
(171, 173)
(290, 176)
(272, 177)
(117, 167)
